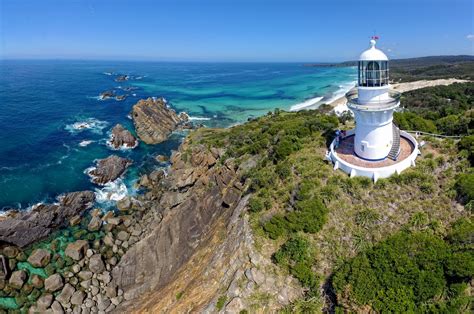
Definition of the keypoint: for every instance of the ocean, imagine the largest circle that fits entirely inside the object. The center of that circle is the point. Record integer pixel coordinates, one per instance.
(54, 124)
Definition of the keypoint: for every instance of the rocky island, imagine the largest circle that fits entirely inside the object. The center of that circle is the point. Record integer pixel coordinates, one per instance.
(154, 120)
(109, 169)
(122, 138)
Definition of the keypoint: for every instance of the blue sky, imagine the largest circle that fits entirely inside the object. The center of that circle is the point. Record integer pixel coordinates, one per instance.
(224, 30)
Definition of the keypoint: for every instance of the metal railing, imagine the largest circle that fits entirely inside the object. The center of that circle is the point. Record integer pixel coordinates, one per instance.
(392, 102)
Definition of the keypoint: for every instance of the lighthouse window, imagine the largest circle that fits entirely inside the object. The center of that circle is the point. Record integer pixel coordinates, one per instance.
(373, 73)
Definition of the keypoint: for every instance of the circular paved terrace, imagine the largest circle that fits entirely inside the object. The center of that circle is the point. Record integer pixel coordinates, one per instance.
(345, 151)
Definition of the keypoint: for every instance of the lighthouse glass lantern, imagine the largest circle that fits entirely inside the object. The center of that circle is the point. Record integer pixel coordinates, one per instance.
(376, 137)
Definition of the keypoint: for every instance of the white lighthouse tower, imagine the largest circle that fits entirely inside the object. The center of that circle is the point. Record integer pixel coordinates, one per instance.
(376, 137)
(376, 148)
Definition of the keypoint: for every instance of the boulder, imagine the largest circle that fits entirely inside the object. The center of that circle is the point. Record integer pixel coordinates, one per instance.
(39, 258)
(85, 274)
(94, 224)
(78, 297)
(27, 227)
(109, 169)
(65, 296)
(57, 308)
(76, 250)
(53, 283)
(122, 137)
(37, 281)
(44, 301)
(154, 120)
(96, 265)
(18, 279)
(10, 251)
(123, 235)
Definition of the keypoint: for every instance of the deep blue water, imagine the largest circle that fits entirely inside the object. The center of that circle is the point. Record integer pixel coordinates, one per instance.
(40, 151)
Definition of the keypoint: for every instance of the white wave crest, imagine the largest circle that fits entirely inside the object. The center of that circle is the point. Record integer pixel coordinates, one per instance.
(305, 104)
(111, 192)
(92, 124)
(85, 143)
(199, 118)
(343, 89)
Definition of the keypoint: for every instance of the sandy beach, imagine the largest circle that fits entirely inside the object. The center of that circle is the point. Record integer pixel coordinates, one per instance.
(340, 103)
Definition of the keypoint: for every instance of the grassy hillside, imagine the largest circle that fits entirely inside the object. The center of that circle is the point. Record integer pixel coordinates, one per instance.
(318, 224)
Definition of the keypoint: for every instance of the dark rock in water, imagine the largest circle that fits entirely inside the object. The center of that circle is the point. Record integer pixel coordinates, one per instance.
(107, 94)
(109, 169)
(122, 137)
(154, 120)
(120, 97)
(29, 226)
(122, 78)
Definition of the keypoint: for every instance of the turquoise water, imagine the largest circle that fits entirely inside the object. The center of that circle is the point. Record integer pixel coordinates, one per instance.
(42, 154)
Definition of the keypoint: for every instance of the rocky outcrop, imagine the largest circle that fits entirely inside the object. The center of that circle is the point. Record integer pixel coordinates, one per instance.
(122, 138)
(154, 120)
(107, 94)
(109, 169)
(26, 227)
(122, 78)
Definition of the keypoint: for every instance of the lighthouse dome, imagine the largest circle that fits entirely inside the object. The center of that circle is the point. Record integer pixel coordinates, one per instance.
(373, 54)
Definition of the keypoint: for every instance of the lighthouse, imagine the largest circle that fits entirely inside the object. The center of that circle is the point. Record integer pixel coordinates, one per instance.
(376, 147)
(376, 137)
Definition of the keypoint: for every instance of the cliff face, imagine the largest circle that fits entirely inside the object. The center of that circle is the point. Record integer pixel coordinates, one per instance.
(154, 121)
(195, 196)
(199, 247)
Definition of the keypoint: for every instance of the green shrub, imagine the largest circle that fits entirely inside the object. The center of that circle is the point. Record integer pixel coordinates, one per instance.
(221, 302)
(296, 256)
(256, 204)
(465, 187)
(467, 144)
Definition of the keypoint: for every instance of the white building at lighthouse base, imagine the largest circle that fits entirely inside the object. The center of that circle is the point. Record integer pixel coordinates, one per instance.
(341, 154)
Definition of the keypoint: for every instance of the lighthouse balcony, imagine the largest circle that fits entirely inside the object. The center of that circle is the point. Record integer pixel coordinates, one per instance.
(389, 103)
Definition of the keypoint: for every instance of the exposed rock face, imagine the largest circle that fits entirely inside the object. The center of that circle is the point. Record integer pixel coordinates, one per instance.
(195, 196)
(154, 121)
(122, 137)
(27, 227)
(109, 169)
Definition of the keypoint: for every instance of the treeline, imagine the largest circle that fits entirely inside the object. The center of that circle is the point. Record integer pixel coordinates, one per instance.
(446, 110)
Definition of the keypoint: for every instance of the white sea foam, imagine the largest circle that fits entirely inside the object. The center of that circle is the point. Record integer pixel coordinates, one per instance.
(199, 118)
(111, 192)
(305, 104)
(85, 143)
(343, 89)
(92, 124)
